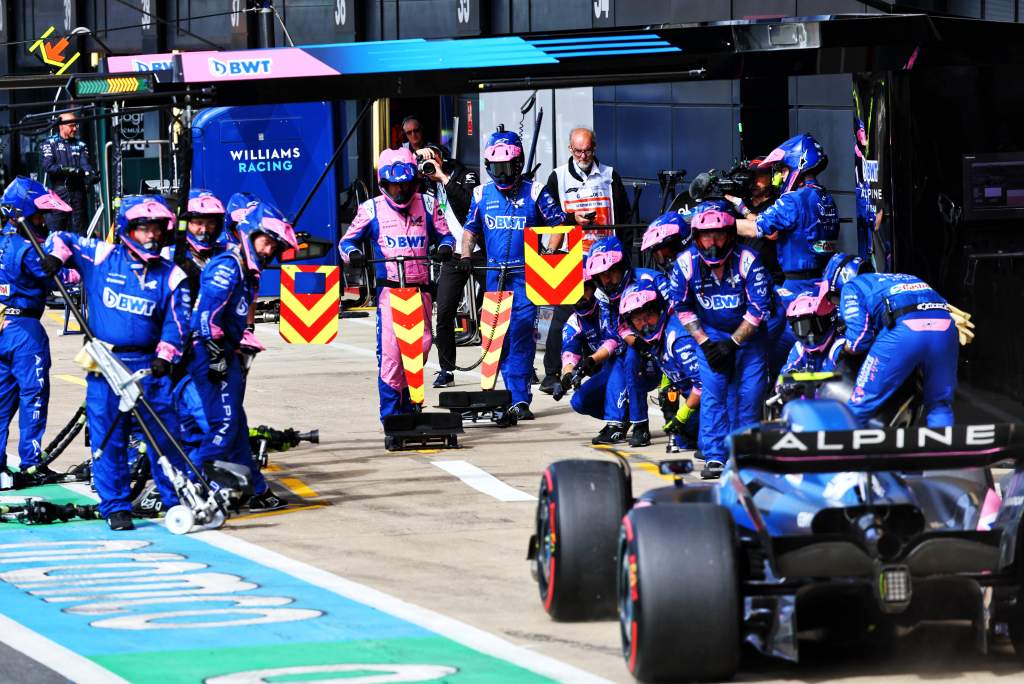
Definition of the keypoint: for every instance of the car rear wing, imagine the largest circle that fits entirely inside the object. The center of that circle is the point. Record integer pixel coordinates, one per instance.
(917, 448)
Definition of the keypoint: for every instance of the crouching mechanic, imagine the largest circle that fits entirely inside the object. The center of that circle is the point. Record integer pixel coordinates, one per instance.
(398, 222)
(136, 302)
(25, 281)
(647, 315)
(227, 290)
(635, 373)
(813, 319)
(500, 213)
(901, 323)
(666, 237)
(722, 294)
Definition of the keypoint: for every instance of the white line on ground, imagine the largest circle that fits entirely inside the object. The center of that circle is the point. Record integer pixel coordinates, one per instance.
(52, 655)
(483, 481)
(455, 630)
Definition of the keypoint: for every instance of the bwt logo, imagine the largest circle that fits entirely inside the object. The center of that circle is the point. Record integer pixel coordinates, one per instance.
(239, 67)
(505, 222)
(123, 302)
(152, 66)
(718, 302)
(405, 241)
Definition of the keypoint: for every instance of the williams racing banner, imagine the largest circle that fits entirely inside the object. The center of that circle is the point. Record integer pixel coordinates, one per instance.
(310, 304)
(554, 279)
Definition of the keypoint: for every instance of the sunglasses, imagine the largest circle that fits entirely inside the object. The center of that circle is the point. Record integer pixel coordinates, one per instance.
(413, 130)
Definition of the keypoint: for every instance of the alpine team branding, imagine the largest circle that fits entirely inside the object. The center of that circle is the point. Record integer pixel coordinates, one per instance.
(122, 302)
(908, 287)
(152, 66)
(505, 222)
(264, 160)
(718, 302)
(404, 241)
(239, 67)
(905, 440)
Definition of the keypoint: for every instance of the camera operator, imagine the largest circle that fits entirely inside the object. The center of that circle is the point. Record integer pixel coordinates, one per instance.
(591, 195)
(451, 184)
(70, 172)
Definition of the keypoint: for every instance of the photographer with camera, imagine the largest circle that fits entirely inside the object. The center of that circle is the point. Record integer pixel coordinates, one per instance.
(450, 184)
(591, 195)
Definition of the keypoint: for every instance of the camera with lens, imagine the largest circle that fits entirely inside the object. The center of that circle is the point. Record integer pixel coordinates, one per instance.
(427, 167)
(714, 184)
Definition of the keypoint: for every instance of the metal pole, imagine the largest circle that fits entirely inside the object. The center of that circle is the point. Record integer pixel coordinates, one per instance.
(266, 21)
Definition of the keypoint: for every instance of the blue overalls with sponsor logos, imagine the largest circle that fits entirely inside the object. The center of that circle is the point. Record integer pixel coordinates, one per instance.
(805, 222)
(142, 310)
(679, 360)
(733, 398)
(902, 324)
(24, 346)
(501, 217)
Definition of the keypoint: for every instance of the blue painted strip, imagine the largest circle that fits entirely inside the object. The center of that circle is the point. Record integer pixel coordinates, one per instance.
(599, 53)
(419, 55)
(94, 631)
(595, 39)
(602, 46)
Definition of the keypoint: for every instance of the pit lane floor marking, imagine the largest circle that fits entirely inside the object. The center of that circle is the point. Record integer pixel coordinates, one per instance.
(482, 481)
(73, 379)
(140, 624)
(298, 487)
(641, 461)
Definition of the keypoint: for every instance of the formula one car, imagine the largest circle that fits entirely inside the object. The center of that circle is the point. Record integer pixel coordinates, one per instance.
(815, 526)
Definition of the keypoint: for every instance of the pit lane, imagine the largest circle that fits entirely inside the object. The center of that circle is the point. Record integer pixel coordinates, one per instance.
(400, 524)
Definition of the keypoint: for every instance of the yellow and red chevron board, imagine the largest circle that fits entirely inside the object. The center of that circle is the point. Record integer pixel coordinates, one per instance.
(554, 279)
(494, 319)
(407, 320)
(310, 304)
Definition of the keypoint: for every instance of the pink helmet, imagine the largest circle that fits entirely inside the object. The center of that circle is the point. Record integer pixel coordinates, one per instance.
(265, 219)
(812, 316)
(709, 220)
(204, 204)
(397, 167)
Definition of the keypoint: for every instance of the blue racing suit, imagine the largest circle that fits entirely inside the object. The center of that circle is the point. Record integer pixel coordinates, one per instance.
(805, 223)
(826, 360)
(142, 310)
(24, 346)
(733, 398)
(599, 395)
(500, 217)
(634, 375)
(902, 324)
(226, 291)
(679, 360)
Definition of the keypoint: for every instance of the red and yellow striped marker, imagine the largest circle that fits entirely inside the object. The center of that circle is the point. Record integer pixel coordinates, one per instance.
(310, 304)
(407, 320)
(554, 279)
(494, 319)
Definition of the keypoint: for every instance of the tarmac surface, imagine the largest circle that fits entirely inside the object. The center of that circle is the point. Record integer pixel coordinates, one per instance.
(408, 525)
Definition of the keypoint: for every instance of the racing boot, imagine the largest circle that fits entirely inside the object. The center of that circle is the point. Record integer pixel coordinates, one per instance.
(443, 378)
(548, 384)
(120, 521)
(522, 411)
(712, 470)
(610, 434)
(39, 475)
(267, 501)
(148, 504)
(641, 436)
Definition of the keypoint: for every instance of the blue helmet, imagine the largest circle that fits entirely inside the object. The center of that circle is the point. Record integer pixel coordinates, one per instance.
(706, 205)
(644, 296)
(25, 197)
(265, 219)
(139, 209)
(503, 158)
(841, 269)
(235, 210)
(606, 254)
(799, 155)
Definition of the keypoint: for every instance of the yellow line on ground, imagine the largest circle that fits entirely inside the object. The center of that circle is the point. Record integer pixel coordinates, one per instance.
(637, 460)
(361, 308)
(59, 319)
(283, 511)
(73, 379)
(298, 487)
(273, 467)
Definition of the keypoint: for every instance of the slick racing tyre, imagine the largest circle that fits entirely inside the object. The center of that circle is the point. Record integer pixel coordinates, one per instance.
(579, 509)
(679, 603)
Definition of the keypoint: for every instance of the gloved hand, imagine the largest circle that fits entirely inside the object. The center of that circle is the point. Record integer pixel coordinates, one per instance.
(51, 265)
(356, 259)
(71, 171)
(561, 387)
(588, 365)
(465, 266)
(444, 253)
(718, 354)
(964, 326)
(217, 366)
(249, 344)
(160, 368)
(675, 424)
